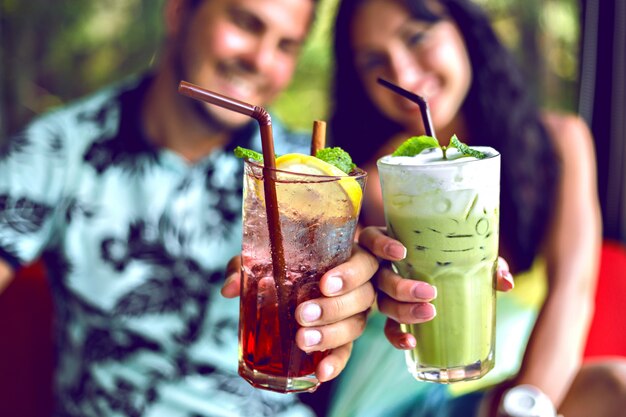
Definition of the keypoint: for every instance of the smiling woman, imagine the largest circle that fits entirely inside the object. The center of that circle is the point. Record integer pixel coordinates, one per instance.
(427, 57)
(549, 212)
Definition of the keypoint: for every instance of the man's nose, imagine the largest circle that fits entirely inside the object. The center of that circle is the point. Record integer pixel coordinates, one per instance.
(261, 55)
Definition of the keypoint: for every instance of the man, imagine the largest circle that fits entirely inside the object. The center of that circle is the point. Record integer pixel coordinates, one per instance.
(133, 198)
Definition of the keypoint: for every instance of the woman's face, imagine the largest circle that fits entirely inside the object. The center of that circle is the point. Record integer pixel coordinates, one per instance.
(426, 58)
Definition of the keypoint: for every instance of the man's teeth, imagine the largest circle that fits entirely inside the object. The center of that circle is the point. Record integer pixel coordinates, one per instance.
(242, 86)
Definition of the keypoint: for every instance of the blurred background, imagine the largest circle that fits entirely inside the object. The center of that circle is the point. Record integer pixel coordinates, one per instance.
(52, 52)
(571, 50)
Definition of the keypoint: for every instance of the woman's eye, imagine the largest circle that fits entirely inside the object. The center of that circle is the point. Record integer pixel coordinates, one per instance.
(371, 63)
(290, 47)
(416, 38)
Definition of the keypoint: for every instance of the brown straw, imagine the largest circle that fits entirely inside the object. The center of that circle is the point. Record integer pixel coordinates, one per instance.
(318, 141)
(269, 174)
(269, 162)
(419, 100)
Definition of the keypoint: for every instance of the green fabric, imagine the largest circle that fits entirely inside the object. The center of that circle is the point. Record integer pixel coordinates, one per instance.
(376, 381)
(376, 378)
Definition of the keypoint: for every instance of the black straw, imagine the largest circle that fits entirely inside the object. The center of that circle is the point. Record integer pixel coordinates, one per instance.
(419, 100)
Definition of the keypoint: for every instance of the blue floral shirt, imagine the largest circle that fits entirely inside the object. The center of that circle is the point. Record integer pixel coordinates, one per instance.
(136, 241)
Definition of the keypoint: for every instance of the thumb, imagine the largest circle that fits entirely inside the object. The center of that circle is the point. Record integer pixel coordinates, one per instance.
(232, 283)
(504, 278)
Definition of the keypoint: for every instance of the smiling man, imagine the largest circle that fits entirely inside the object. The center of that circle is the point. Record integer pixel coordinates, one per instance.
(132, 196)
(243, 49)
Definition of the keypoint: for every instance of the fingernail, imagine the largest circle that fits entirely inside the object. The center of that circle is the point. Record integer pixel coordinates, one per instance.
(334, 284)
(423, 311)
(311, 312)
(327, 372)
(423, 291)
(229, 279)
(407, 343)
(395, 251)
(508, 278)
(312, 337)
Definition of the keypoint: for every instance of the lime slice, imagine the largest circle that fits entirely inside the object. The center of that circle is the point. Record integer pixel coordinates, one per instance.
(335, 198)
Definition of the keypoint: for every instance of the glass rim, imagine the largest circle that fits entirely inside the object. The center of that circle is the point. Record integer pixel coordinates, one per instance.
(359, 173)
(439, 164)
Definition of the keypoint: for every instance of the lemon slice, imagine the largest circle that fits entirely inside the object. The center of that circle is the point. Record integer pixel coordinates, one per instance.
(333, 196)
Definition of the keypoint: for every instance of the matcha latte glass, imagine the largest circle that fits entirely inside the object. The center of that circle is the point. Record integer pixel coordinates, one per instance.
(446, 214)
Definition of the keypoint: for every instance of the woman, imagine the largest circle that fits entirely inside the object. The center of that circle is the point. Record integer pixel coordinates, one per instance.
(446, 51)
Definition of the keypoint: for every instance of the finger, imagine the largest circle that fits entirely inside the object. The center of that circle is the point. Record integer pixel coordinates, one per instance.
(376, 241)
(352, 274)
(331, 336)
(398, 338)
(402, 289)
(328, 310)
(408, 313)
(503, 264)
(334, 363)
(232, 283)
(504, 278)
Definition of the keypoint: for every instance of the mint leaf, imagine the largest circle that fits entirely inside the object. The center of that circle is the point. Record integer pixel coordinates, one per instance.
(464, 149)
(248, 154)
(337, 157)
(415, 145)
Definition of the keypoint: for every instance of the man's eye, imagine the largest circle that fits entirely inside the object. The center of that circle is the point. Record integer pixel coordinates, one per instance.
(247, 22)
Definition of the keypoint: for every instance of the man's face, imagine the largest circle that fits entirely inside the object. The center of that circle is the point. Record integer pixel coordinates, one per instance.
(246, 49)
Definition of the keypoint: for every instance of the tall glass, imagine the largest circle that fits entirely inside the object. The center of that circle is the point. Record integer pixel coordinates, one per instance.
(318, 218)
(446, 214)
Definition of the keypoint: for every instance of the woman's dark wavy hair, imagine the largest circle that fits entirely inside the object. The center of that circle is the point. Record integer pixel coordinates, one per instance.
(195, 3)
(499, 110)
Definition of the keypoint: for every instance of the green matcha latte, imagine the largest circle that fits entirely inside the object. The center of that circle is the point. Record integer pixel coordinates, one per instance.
(446, 214)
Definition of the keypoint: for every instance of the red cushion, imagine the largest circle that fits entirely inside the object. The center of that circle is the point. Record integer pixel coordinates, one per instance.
(26, 345)
(607, 335)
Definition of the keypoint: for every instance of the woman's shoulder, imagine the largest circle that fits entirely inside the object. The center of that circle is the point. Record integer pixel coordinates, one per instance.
(569, 132)
(566, 127)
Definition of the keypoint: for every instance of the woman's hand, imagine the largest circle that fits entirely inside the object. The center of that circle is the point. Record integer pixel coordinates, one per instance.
(334, 320)
(404, 300)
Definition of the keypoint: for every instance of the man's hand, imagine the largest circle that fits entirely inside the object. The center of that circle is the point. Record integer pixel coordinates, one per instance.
(6, 275)
(405, 300)
(335, 320)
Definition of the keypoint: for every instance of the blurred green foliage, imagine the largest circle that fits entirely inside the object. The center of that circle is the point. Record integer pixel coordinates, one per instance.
(544, 35)
(54, 51)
